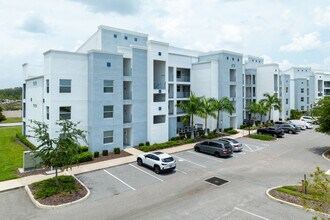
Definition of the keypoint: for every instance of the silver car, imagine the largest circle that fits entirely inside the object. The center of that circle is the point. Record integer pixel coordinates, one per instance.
(237, 146)
(215, 147)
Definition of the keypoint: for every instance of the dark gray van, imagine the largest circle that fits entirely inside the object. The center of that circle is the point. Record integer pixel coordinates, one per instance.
(215, 147)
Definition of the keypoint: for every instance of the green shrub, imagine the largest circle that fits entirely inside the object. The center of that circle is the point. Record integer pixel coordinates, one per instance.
(232, 132)
(105, 153)
(262, 137)
(147, 143)
(82, 149)
(85, 156)
(244, 126)
(166, 145)
(141, 144)
(116, 150)
(228, 129)
(25, 141)
(96, 154)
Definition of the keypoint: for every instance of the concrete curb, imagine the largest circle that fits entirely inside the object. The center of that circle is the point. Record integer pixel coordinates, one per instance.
(292, 204)
(323, 155)
(41, 206)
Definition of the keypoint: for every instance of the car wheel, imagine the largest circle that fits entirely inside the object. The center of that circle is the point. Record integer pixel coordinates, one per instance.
(197, 149)
(290, 132)
(157, 169)
(274, 135)
(217, 154)
(139, 161)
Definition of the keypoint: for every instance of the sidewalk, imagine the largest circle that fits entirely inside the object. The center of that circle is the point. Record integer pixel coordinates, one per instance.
(10, 124)
(20, 182)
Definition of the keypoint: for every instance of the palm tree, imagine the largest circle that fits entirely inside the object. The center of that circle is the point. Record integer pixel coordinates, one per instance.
(271, 102)
(207, 109)
(223, 104)
(253, 108)
(262, 109)
(191, 107)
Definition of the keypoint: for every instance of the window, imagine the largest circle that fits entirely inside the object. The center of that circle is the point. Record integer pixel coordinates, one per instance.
(47, 112)
(238, 59)
(35, 105)
(107, 137)
(47, 85)
(115, 35)
(286, 89)
(232, 59)
(65, 112)
(227, 58)
(135, 39)
(307, 100)
(301, 99)
(126, 37)
(159, 53)
(35, 83)
(108, 111)
(65, 85)
(108, 64)
(108, 86)
(286, 112)
(302, 108)
(302, 90)
(286, 101)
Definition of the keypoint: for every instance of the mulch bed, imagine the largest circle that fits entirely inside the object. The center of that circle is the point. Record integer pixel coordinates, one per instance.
(327, 154)
(95, 160)
(62, 198)
(297, 200)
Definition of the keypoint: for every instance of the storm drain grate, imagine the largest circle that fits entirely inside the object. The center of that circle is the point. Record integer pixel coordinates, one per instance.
(216, 181)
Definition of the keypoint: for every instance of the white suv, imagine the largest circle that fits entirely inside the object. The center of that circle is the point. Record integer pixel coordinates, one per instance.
(158, 161)
(308, 119)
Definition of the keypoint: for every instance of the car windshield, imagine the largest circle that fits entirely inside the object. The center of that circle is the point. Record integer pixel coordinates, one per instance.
(168, 159)
(227, 146)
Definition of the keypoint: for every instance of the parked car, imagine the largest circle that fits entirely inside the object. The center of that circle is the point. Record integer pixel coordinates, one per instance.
(275, 132)
(298, 123)
(237, 146)
(215, 147)
(288, 128)
(308, 125)
(308, 119)
(284, 122)
(158, 161)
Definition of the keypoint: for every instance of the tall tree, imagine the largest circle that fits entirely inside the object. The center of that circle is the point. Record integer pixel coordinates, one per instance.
(2, 117)
(271, 102)
(224, 105)
(61, 152)
(253, 108)
(322, 112)
(207, 110)
(191, 107)
(262, 109)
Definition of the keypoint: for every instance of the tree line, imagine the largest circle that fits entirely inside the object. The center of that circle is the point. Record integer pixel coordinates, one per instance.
(11, 93)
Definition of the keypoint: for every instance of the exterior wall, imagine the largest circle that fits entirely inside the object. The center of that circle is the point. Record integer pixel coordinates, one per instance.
(93, 43)
(98, 71)
(285, 95)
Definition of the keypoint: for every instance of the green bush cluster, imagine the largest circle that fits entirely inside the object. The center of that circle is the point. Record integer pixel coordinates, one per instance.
(25, 141)
(262, 137)
(141, 144)
(116, 150)
(165, 145)
(105, 153)
(82, 149)
(96, 154)
(176, 138)
(232, 132)
(212, 135)
(84, 157)
(147, 143)
(48, 187)
(228, 129)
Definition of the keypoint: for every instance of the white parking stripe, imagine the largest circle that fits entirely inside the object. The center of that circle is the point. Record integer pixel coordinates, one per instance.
(201, 155)
(118, 179)
(190, 162)
(251, 213)
(181, 171)
(248, 147)
(146, 172)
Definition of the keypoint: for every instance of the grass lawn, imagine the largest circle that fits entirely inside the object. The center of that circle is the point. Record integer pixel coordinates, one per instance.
(262, 137)
(11, 120)
(11, 153)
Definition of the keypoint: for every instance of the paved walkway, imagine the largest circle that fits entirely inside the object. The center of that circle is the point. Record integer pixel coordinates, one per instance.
(10, 124)
(20, 182)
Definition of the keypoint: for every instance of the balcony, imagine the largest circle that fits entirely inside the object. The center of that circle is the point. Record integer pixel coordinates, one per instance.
(182, 94)
(182, 75)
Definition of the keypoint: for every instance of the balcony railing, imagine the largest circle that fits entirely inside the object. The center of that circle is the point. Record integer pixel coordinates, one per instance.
(183, 79)
(182, 94)
(127, 118)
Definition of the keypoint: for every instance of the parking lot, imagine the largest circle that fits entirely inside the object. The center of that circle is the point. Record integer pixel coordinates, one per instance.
(130, 191)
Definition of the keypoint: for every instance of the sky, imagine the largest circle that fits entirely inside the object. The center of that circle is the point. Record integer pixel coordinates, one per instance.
(291, 33)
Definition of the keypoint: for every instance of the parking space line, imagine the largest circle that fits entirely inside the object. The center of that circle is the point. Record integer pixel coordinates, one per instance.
(146, 173)
(204, 156)
(251, 213)
(248, 147)
(181, 171)
(118, 179)
(190, 162)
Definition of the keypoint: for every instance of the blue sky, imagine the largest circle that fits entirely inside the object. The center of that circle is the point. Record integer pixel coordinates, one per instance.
(291, 33)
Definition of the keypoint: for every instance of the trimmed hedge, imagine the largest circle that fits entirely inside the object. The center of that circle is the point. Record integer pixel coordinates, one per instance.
(228, 129)
(166, 145)
(25, 141)
(105, 153)
(85, 156)
(262, 137)
(212, 135)
(147, 143)
(82, 149)
(232, 132)
(96, 154)
(116, 150)
(141, 144)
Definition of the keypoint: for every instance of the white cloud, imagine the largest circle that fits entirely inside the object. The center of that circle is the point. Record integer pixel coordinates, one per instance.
(285, 64)
(305, 42)
(322, 16)
(33, 23)
(327, 62)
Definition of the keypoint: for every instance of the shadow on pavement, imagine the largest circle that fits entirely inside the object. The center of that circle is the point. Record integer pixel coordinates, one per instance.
(319, 150)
